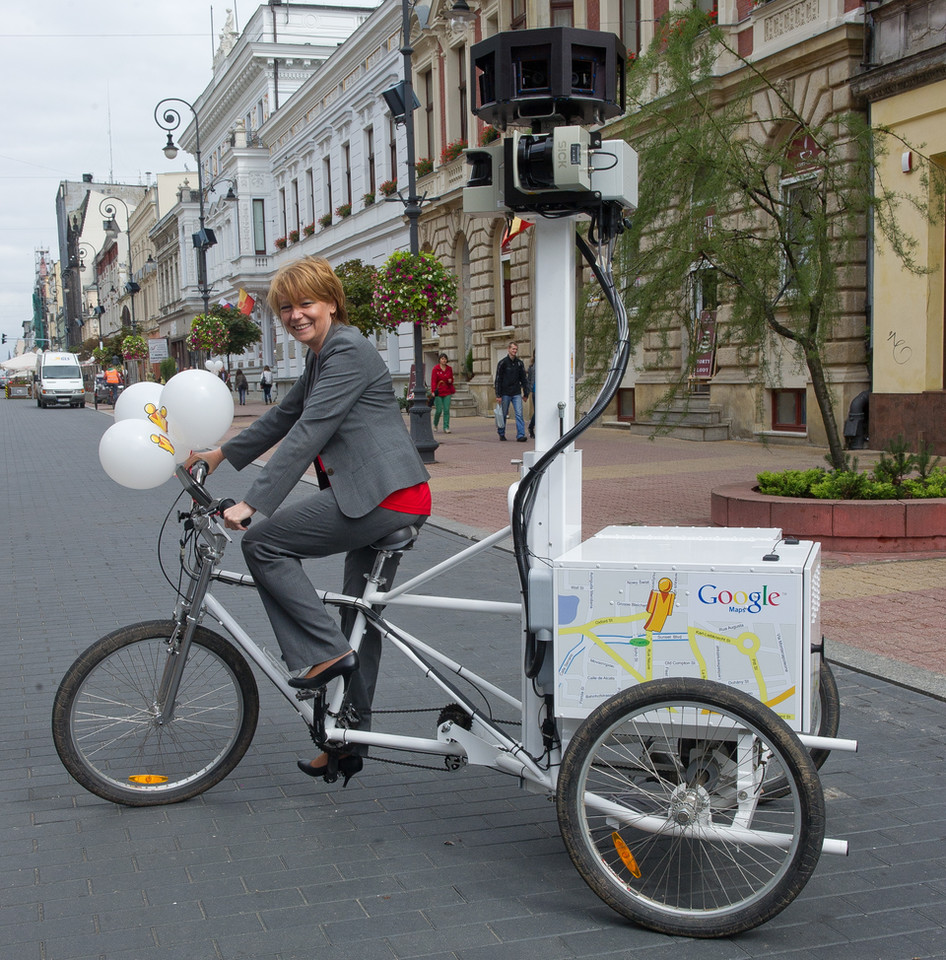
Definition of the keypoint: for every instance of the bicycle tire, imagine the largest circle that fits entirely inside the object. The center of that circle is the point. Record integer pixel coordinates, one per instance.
(122, 754)
(649, 793)
(827, 720)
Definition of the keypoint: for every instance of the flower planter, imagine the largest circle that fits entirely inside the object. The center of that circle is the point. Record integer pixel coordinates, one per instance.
(856, 526)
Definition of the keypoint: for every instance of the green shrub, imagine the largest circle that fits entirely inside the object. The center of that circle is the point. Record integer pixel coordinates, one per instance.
(890, 478)
(790, 483)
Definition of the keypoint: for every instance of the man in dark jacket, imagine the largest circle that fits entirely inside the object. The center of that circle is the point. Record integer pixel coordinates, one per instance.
(512, 385)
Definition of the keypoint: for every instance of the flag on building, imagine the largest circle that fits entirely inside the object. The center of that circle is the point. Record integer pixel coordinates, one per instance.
(246, 303)
(513, 230)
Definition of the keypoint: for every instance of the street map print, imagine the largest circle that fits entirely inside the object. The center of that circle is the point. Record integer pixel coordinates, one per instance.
(615, 628)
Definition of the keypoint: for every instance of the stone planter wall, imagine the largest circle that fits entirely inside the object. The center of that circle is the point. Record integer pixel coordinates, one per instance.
(857, 526)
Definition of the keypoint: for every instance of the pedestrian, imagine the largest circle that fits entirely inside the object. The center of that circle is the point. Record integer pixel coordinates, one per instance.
(441, 385)
(266, 384)
(530, 375)
(342, 414)
(239, 381)
(113, 377)
(512, 386)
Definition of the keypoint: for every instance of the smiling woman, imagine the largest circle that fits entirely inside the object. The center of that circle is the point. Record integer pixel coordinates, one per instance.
(341, 414)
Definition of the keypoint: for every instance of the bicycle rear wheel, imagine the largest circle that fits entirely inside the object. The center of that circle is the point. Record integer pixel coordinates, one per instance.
(658, 804)
(106, 726)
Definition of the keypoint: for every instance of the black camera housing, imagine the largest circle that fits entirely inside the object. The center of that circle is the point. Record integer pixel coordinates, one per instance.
(549, 77)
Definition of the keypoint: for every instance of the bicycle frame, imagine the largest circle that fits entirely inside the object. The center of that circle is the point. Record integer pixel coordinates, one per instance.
(484, 744)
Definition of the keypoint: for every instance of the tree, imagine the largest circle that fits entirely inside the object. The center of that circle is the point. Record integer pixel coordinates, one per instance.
(223, 330)
(758, 190)
(358, 281)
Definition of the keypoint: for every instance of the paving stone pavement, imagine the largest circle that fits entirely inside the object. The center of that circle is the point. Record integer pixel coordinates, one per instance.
(406, 862)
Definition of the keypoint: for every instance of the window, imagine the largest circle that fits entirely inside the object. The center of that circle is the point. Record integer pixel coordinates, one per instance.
(631, 25)
(346, 161)
(296, 225)
(801, 208)
(259, 227)
(310, 192)
(517, 19)
(427, 85)
(282, 211)
(327, 176)
(788, 410)
(369, 159)
(626, 409)
(799, 198)
(392, 149)
(462, 104)
(506, 318)
(563, 13)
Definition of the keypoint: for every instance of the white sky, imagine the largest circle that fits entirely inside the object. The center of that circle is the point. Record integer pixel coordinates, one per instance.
(80, 83)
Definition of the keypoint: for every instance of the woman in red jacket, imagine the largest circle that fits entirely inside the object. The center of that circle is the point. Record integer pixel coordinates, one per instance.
(441, 385)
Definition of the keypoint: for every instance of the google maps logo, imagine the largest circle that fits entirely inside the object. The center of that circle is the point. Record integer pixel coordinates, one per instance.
(738, 601)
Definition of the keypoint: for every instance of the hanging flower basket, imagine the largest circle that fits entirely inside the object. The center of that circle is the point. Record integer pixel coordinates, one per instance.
(208, 333)
(135, 347)
(414, 289)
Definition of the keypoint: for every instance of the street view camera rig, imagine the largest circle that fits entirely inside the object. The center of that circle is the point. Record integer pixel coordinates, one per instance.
(557, 81)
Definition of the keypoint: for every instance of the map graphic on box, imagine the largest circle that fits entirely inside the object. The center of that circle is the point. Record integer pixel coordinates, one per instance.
(616, 627)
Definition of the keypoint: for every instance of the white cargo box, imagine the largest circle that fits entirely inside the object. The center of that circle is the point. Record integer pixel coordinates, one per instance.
(740, 607)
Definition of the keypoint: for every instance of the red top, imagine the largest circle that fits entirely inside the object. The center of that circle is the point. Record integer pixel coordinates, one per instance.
(414, 500)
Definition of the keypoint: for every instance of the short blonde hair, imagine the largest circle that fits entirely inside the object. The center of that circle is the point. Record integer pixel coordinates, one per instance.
(311, 278)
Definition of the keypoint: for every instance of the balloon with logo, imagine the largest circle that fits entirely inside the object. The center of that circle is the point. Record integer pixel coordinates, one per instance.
(135, 454)
(199, 409)
(141, 401)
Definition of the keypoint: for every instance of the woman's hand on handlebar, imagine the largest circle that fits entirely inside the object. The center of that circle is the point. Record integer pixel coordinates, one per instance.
(235, 517)
(213, 459)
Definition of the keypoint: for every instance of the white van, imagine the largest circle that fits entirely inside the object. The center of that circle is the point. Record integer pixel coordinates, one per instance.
(57, 381)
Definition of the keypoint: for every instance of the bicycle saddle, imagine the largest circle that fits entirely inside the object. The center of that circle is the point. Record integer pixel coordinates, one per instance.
(401, 539)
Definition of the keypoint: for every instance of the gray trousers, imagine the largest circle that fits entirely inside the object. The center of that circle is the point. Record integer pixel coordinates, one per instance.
(306, 632)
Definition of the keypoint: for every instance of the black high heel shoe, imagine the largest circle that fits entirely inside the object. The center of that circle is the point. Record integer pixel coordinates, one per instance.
(341, 668)
(347, 767)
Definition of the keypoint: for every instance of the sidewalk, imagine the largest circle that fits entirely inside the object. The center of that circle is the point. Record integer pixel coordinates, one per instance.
(881, 614)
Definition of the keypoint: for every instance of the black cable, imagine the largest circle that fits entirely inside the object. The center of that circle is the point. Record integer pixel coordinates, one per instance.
(524, 501)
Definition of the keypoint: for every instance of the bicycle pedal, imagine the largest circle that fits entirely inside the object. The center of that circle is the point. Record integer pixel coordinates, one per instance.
(302, 695)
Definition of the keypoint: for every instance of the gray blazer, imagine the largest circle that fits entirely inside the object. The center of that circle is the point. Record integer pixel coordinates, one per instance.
(343, 410)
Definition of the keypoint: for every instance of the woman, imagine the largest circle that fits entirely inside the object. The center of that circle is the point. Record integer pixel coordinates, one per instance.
(266, 384)
(441, 385)
(342, 414)
(239, 381)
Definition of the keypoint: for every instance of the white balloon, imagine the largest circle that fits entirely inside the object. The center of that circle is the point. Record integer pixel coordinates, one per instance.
(218, 365)
(209, 365)
(141, 401)
(199, 408)
(134, 453)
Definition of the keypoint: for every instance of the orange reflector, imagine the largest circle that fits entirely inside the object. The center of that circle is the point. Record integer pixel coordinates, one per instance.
(624, 852)
(147, 778)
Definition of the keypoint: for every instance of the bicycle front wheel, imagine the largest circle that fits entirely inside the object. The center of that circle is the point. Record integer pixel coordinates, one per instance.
(111, 738)
(658, 804)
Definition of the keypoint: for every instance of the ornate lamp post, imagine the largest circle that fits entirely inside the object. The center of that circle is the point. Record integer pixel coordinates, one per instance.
(108, 210)
(168, 118)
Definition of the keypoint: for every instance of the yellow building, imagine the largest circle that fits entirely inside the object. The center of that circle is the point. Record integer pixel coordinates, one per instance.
(905, 85)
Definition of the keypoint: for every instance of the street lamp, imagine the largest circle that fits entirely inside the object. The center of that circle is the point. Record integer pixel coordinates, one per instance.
(168, 118)
(402, 103)
(85, 249)
(108, 210)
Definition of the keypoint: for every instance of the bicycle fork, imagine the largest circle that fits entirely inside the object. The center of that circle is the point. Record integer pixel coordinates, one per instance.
(179, 643)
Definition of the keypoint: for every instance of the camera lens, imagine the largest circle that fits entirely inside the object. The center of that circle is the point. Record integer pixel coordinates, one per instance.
(534, 163)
